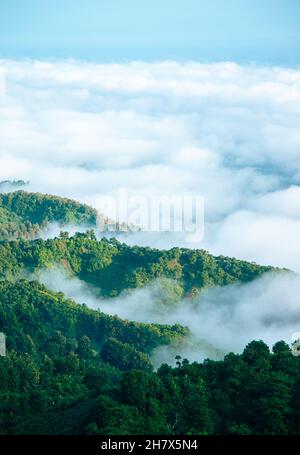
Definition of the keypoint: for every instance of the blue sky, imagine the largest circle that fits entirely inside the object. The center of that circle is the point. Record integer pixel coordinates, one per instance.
(116, 30)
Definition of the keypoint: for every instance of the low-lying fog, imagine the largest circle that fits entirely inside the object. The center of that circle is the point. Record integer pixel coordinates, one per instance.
(221, 319)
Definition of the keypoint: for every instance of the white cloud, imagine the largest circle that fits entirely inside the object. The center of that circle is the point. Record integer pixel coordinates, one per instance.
(221, 319)
(261, 238)
(225, 131)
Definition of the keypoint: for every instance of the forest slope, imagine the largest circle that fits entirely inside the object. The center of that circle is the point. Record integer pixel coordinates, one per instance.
(24, 214)
(113, 267)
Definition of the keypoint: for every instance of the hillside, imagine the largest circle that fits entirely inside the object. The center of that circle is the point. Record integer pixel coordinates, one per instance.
(72, 370)
(23, 214)
(34, 318)
(112, 266)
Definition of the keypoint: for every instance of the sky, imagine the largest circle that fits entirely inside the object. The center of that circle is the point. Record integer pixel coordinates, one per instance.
(122, 30)
(162, 98)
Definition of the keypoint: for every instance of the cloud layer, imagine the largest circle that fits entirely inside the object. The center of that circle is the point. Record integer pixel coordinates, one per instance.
(224, 131)
(221, 319)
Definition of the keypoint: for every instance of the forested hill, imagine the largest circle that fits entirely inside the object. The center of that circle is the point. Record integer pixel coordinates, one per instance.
(36, 321)
(23, 214)
(71, 370)
(112, 266)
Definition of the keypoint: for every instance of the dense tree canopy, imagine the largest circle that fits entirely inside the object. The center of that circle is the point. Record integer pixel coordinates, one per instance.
(112, 266)
(23, 214)
(72, 370)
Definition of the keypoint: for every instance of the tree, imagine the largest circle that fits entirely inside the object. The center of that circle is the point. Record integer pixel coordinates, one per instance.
(257, 355)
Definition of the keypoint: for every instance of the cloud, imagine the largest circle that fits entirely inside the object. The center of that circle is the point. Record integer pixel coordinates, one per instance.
(221, 319)
(260, 237)
(224, 131)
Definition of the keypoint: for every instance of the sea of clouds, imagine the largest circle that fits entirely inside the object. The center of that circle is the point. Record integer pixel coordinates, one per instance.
(224, 131)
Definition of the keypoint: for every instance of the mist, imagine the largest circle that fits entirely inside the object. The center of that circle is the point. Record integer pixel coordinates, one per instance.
(220, 319)
(224, 131)
(52, 230)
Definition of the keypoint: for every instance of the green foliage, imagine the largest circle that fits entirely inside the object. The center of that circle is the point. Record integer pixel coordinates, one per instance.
(36, 319)
(124, 356)
(73, 370)
(23, 214)
(60, 353)
(113, 267)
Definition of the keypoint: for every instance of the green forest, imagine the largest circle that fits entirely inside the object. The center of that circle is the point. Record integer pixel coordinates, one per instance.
(24, 215)
(69, 369)
(112, 266)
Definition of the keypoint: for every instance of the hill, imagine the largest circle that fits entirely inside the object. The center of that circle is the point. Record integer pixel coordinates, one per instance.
(34, 318)
(112, 266)
(23, 214)
(71, 370)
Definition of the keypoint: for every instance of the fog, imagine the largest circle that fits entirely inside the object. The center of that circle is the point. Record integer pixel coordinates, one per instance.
(220, 319)
(52, 230)
(224, 131)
